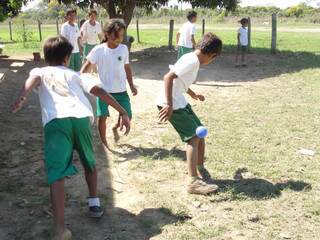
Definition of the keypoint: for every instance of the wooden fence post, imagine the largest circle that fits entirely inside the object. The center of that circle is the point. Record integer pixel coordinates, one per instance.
(138, 35)
(10, 29)
(57, 25)
(249, 34)
(274, 34)
(203, 26)
(101, 23)
(39, 27)
(171, 34)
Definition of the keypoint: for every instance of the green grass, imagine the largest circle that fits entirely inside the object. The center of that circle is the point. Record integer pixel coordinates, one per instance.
(261, 41)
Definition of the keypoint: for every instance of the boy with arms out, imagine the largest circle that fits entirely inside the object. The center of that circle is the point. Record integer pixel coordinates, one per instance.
(112, 60)
(71, 32)
(66, 116)
(174, 107)
(185, 35)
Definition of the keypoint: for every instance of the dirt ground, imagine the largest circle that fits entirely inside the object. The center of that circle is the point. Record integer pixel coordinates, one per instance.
(24, 195)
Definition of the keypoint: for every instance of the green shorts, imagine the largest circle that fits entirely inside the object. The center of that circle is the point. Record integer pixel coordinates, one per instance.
(87, 49)
(122, 98)
(75, 61)
(61, 137)
(183, 50)
(185, 122)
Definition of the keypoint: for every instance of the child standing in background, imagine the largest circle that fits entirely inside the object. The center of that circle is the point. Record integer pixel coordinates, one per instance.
(91, 33)
(185, 36)
(242, 43)
(71, 32)
(112, 60)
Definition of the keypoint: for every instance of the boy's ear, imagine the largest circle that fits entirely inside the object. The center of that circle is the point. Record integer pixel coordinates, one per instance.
(66, 59)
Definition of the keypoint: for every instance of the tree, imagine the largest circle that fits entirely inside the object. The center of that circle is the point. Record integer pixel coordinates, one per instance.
(10, 8)
(124, 8)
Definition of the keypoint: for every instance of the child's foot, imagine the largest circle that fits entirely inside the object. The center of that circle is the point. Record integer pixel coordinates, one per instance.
(116, 136)
(200, 187)
(244, 65)
(205, 175)
(95, 210)
(66, 235)
(237, 65)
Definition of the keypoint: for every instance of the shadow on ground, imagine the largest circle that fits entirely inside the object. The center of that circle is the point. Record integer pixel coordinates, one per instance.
(152, 63)
(155, 153)
(256, 188)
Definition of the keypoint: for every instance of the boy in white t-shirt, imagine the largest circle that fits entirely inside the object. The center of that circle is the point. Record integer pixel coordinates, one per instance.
(90, 32)
(112, 60)
(242, 42)
(174, 107)
(67, 117)
(71, 32)
(185, 35)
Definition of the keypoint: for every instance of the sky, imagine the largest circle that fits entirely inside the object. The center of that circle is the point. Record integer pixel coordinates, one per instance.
(278, 3)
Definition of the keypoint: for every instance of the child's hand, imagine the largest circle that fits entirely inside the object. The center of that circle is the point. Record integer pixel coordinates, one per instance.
(200, 97)
(165, 113)
(134, 90)
(18, 104)
(125, 122)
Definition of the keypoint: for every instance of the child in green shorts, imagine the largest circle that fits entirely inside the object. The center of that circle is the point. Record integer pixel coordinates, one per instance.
(71, 32)
(174, 107)
(112, 61)
(185, 35)
(67, 116)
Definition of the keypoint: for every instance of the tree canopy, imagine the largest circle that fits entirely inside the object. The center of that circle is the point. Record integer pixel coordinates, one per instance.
(10, 8)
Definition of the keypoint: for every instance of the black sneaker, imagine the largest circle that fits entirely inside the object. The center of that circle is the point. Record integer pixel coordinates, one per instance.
(95, 212)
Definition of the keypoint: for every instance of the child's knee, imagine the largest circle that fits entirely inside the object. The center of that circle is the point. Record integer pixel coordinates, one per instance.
(194, 141)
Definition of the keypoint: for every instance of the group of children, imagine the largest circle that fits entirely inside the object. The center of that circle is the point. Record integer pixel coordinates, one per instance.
(67, 114)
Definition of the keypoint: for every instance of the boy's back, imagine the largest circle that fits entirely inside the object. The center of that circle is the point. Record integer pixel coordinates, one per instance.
(61, 93)
(186, 31)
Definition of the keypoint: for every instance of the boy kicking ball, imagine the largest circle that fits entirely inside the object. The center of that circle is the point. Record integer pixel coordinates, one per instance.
(66, 116)
(174, 107)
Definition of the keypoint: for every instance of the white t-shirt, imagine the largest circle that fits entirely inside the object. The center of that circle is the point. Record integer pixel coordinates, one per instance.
(186, 68)
(61, 93)
(110, 64)
(90, 33)
(186, 31)
(72, 33)
(243, 36)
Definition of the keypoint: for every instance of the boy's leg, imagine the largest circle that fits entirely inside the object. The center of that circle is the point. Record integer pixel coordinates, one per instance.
(192, 156)
(116, 135)
(92, 180)
(237, 56)
(102, 127)
(205, 175)
(57, 200)
(243, 56)
(84, 146)
(103, 114)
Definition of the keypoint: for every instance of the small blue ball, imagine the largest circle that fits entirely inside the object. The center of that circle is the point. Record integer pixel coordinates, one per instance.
(201, 132)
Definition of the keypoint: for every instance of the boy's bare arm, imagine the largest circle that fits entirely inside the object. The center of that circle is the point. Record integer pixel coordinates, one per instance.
(238, 36)
(193, 41)
(31, 83)
(194, 95)
(166, 112)
(177, 38)
(80, 45)
(128, 70)
(86, 67)
(106, 97)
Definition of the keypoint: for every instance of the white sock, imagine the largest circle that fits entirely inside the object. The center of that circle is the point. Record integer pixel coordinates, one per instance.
(94, 202)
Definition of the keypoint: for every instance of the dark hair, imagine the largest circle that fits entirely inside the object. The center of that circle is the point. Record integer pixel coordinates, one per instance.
(56, 49)
(113, 27)
(70, 10)
(92, 11)
(210, 43)
(244, 21)
(191, 14)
